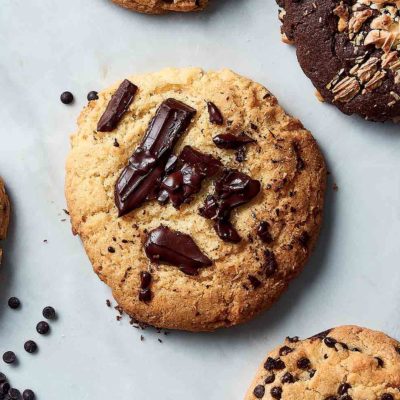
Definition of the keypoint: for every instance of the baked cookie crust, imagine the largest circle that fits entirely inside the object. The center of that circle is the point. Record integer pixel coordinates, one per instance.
(346, 363)
(4, 213)
(285, 159)
(162, 6)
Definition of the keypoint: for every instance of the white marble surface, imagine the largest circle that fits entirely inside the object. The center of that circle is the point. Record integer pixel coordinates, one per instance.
(49, 46)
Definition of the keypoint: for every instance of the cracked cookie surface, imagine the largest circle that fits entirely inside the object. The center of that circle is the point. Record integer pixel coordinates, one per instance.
(343, 363)
(350, 50)
(285, 159)
(4, 213)
(162, 6)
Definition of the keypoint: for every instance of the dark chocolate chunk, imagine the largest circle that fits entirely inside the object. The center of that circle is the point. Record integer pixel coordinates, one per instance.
(343, 388)
(30, 346)
(303, 363)
(330, 342)
(14, 302)
(276, 392)
(142, 177)
(312, 372)
(259, 391)
(14, 394)
(28, 394)
(3, 378)
(231, 141)
(4, 388)
(175, 248)
(111, 249)
(9, 357)
(117, 107)
(215, 114)
(226, 231)
(186, 176)
(145, 281)
(285, 350)
(269, 379)
(49, 312)
(387, 396)
(67, 97)
(255, 282)
(42, 327)
(263, 232)
(145, 295)
(92, 95)
(274, 363)
(270, 265)
(287, 378)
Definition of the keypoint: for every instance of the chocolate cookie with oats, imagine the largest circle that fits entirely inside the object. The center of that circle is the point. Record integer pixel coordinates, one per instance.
(196, 197)
(343, 363)
(350, 51)
(162, 6)
(4, 214)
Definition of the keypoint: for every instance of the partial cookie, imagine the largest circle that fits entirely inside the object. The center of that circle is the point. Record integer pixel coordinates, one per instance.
(4, 213)
(196, 197)
(162, 6)
(343, 363)
(350, 51)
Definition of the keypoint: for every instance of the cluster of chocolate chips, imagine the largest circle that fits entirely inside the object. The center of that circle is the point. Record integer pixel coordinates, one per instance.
(68, 98)
(9, 357)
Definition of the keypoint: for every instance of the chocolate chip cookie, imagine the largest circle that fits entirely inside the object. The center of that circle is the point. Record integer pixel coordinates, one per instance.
(162, 6)
(350, 51)
(4, 213)
(343, 363)
(197, 198)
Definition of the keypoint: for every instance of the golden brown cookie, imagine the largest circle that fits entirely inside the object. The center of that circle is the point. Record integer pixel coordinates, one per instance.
(343, 363)
(162, 6)
(258, 181)
(4, 213)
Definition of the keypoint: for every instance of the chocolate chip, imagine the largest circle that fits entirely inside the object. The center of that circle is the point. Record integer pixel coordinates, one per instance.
(330, 342)
(270, 265)
(379, 361)
(92, 95)
(30, 346)
(140, 180)
(214, 114)
(115, 144)
(175, 248)
(14, 302)
(111, 249)
(231, 141)
(343, 388)
(226, 231)
(303, 363)
(3, 378)
(28, 394)
(4, 388)
(287, 378)
(263, 232)
(255, 282)
(274, 363)
(145, 295)
(387, 396)
(304, 239)
(269, 379)
(285, 350)
(293, 339)
(117, 107)
(276, 392)
(259, 391)
(49, 312)
(67, 97)
(321, 335)
(42, 327)
(9, 357)
(312, 372)
(14, 394)
(145, 279)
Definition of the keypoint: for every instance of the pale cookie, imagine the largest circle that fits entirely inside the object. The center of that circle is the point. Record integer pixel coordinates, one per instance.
(237, 147)
(343, 363)
(4, 213)
(162, 6)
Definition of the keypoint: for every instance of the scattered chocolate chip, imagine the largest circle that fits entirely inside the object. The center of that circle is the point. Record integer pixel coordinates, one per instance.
(9, 357)
(255, 282)
(49, 312)
(67, 97)
(140, 180)
(108, 303)
(263, 232)
(270, 265)
(117, 107)
(28, 394)
(214, 114)
(379, 361)
(287, 378)
(259, 391)
(176, 248)
(4, 388)
(276, 392)
(343, 388)
(92, 95)
(14, 302)
(111, 249)
(330, 342)
(14, 394)
(387, 396)
(285, 350)
(269, 379)
(303, 363)
(231, 141)
(30, 346)
(42, 327)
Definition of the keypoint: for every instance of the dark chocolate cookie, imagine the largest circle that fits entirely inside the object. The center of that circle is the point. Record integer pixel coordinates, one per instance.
(350, 51)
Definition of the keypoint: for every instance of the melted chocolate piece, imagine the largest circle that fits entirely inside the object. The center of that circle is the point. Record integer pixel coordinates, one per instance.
(214, 113)
(191, 168)
(263, 232)
(226, 231)
(117, 107)
(140, 180)
(175, 248)
(145, 282)
(231, 141)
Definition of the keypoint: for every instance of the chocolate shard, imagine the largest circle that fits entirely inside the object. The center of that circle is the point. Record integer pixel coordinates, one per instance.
(226, 231)
(172, 247)
(140, 180)
(117, 107)
(231, 141)
(263, 232)
(214, 114)
(191, 168)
